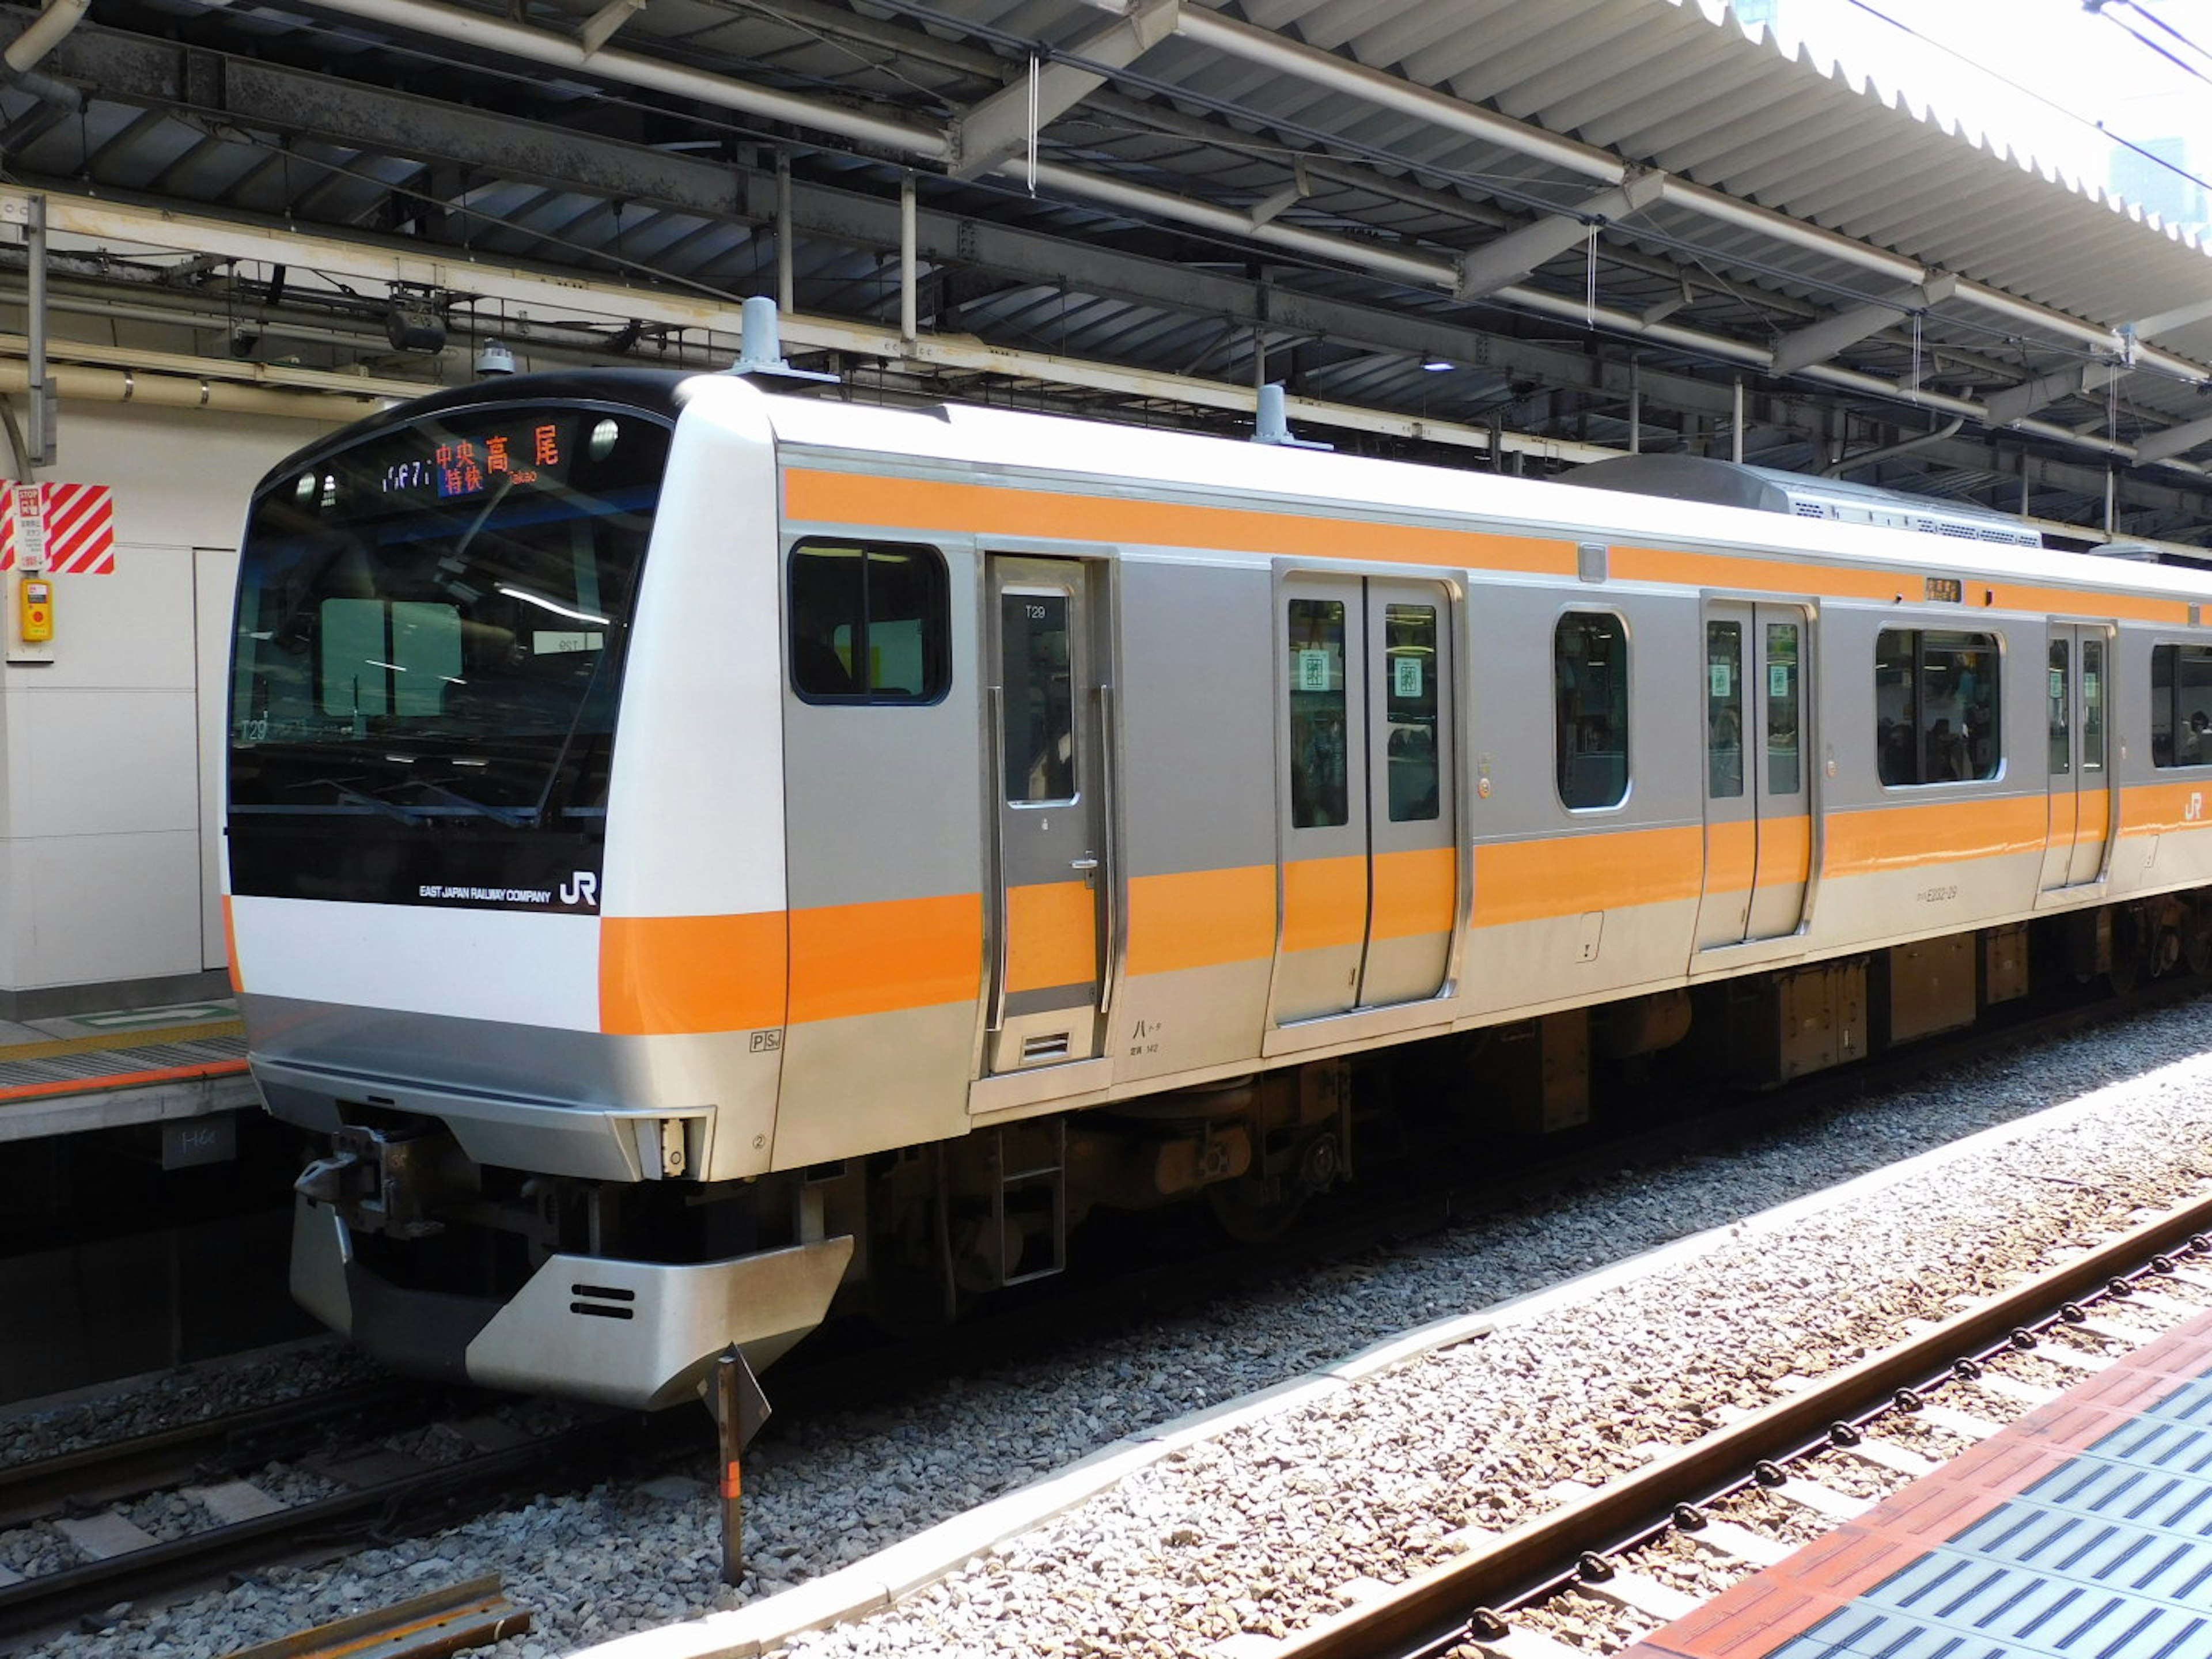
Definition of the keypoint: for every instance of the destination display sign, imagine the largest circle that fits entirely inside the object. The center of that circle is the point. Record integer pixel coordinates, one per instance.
(531, 450)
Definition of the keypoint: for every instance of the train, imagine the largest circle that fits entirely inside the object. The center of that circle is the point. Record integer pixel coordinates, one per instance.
(700, 854)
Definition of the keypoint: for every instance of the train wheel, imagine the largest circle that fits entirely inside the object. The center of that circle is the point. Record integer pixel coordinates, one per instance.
(2196, 938)
(2130, 950)
(1248, 1211)
(912, 1290)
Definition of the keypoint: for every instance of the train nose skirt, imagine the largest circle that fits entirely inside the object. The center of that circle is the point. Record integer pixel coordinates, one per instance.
(2085, 1528)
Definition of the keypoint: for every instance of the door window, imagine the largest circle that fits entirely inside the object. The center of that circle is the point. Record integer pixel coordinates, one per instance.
(1724, 710)
(1319, 789)
(2058, 700)
(1040, 706)
(1784, 771)
(1410, 701)
(2092, 705)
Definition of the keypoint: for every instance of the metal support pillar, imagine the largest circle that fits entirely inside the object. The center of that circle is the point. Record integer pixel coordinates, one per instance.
(908, 322)
(1735, 434)
(39, 389)
(785, 297)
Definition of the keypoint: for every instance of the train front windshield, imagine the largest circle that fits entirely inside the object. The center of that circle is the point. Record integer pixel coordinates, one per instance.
(428, 650)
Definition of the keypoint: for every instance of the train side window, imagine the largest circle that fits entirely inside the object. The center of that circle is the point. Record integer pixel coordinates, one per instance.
(870, 623)
(1936, 714)
(2181, 705)
(1589, 679)
(1319, 793)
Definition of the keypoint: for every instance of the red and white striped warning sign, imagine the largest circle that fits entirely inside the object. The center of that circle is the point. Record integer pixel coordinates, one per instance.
(74, 523)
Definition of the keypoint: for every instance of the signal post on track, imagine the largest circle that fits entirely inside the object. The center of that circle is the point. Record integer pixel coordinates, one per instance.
(734, 1397)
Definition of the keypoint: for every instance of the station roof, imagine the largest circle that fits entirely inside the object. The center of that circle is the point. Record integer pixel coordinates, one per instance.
(1478, 227)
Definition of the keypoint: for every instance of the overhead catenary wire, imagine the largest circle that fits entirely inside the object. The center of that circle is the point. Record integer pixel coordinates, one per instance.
(2044, 99)
(2107, 10)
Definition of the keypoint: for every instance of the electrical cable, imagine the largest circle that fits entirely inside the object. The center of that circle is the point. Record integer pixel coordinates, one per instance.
(2163, 26)
(2104, 131)
(2099, 9)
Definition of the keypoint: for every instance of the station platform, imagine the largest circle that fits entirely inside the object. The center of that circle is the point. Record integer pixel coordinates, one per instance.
(77, 1073)
(2083, 1531)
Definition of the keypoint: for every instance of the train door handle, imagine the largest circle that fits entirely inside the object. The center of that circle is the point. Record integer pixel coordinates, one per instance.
(1086, 864)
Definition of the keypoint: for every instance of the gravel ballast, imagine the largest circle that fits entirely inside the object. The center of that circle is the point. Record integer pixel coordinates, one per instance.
(1272, 1523)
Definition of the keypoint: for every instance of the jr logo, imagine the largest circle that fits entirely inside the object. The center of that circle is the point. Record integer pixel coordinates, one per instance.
(582, 888)
(2193, 810)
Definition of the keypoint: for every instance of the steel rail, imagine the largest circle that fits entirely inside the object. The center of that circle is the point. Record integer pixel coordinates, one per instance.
(148, 1462)
(472, 1615)
(384, 1507)
(1430, 1607)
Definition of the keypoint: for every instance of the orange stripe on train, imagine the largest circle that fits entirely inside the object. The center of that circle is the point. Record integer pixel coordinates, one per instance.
(1416, 893)
(876, 958)
(659, 974)
(1537, 880)
(664, 974)
(230, 945)
(1201, 918)
(1904, 837)
(857, 498)
(2158, 808)
(1052, 935)
(1324, 903)
(682, 974)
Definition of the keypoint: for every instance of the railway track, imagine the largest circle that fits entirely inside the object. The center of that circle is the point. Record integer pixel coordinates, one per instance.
(375, 1496)
(371, 1462)
(1589, 1548)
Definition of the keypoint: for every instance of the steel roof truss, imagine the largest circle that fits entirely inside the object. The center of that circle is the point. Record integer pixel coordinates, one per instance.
(1507, 259)
(989, 133)
(2165, 445)
(2075, 380)
(1822, 340)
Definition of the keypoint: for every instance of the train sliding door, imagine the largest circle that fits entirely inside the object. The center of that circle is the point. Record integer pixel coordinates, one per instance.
(1050, 773)
(1759, 824)
(1370, 872)
(2081, 782)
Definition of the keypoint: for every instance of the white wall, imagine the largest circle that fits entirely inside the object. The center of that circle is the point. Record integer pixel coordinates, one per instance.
(108, 823)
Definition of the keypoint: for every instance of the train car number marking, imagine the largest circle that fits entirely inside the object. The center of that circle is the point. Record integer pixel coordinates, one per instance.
(765, 1042)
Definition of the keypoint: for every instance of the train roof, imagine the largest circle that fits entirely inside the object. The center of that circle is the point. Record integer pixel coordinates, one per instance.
(1751, 509)
(1064, 449)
